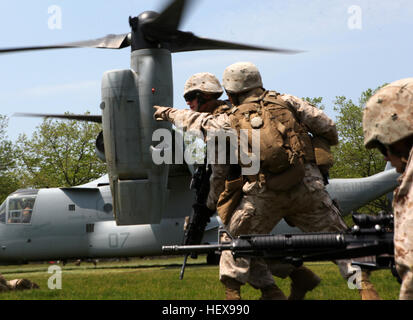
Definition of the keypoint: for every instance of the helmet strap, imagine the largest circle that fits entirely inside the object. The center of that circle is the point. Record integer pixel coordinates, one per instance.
(201, 99)
(233, 98)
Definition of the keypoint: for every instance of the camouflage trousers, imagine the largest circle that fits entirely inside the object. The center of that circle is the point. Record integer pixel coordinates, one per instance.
(307, 206)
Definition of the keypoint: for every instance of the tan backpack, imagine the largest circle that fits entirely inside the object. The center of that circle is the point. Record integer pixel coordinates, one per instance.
(284, 143)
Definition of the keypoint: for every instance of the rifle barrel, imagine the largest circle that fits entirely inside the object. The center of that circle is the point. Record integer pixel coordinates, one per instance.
(201, 248)
(279, 242)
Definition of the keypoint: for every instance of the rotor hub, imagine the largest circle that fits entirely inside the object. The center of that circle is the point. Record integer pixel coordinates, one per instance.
(140, 39)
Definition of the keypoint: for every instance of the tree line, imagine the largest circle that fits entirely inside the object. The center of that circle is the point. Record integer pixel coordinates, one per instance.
(58, 154)
(62, 153)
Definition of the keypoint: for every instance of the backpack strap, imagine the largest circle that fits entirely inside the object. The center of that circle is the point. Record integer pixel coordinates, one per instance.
(223, 107)
(273, 97)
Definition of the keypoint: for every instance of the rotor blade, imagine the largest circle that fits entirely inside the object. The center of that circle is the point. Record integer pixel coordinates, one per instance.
(79, 117)
(171, 16)
(186, 41)
(111, 41)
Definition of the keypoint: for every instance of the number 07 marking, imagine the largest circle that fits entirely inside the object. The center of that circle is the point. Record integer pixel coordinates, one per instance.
(115, 239)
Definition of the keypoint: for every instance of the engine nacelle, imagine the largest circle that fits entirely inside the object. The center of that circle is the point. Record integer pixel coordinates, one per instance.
(139, 187)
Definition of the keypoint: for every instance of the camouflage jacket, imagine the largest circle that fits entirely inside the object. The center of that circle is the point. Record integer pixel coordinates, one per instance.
(403, 215)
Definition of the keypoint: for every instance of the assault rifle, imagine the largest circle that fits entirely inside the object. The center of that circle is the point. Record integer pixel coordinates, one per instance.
(195, 227)
(371, 236)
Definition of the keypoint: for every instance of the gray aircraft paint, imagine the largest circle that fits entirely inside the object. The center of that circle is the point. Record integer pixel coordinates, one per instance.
(57, 232)
(128, 124)
(352, 194)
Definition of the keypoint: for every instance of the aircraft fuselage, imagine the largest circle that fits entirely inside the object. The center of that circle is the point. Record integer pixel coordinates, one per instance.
(78, 223)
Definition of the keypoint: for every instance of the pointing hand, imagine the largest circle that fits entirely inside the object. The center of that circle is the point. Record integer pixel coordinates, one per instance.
(160, 113)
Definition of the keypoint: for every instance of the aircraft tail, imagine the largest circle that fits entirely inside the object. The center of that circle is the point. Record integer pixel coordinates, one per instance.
(352, 194)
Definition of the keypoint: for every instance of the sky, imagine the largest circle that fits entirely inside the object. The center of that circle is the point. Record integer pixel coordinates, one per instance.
(350, 46)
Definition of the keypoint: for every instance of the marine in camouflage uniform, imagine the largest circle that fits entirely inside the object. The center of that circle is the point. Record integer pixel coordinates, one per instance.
(201, 93)
(388, 126)
(16, 284)
(307, 205)
(208, 87)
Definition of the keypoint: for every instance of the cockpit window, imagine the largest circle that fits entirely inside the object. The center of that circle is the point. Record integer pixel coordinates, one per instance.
(20, 209)
(3, 212)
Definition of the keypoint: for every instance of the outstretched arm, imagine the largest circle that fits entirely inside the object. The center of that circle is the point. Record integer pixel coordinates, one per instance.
(192, 121)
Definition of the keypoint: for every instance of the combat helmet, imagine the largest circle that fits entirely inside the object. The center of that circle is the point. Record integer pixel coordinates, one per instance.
(241, 77)
(388, 116)
(205, 82)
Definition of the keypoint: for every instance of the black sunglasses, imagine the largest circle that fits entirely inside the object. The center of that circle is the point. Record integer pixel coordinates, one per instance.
(382, 148)
(191, 96)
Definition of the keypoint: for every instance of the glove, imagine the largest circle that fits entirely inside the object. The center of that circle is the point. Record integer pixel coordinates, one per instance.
(160, 113)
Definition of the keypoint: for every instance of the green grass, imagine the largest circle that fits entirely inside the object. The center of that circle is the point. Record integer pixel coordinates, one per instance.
(158, 279)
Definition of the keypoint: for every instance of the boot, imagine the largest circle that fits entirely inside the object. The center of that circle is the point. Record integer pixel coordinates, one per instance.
(302, 281)
(21, 284)
(3, 287)
(232, 289)
(2, 280)
(272, 292)
(3, 284)
(367, 291)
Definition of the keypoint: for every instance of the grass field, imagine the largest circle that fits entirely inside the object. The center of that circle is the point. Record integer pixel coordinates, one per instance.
(158, 279)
